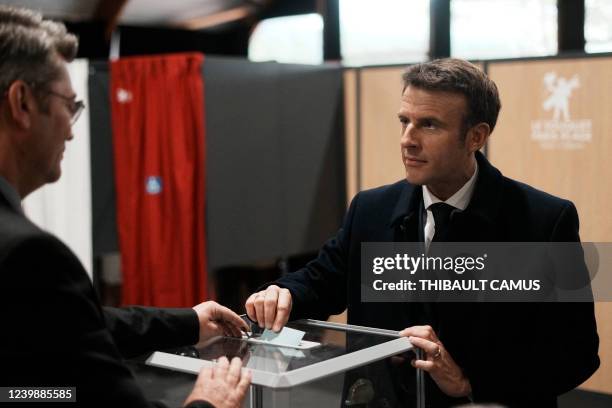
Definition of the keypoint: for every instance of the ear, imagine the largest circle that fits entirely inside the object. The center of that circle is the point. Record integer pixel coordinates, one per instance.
(21, 103)
(477, 136)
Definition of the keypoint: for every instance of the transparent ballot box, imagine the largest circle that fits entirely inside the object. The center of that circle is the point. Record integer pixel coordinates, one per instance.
(335, 365)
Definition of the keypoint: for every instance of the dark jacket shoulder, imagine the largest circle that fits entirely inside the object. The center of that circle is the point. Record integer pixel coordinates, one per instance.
(545, 216)
(18, 231)
(387, 192)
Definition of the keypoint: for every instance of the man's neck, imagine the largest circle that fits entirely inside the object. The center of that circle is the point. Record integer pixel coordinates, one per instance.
(13, 164)
(444, 191)
(10, 171)
(10, 195)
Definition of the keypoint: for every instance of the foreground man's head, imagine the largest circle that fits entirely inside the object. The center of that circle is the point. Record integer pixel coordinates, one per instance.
(38, 104)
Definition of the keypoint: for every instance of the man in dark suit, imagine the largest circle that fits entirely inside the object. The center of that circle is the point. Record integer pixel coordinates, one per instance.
(54, 331)
(519, 354)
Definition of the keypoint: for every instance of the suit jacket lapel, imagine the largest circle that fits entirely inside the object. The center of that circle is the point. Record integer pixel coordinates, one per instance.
(406, 217)
(477, 222)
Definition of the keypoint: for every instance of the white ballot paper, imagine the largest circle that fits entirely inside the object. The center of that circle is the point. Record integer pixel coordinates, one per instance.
(286, 337)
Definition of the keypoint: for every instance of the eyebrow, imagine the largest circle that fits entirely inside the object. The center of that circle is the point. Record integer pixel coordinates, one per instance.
(432, 119)
(70, 95)
(424, 119)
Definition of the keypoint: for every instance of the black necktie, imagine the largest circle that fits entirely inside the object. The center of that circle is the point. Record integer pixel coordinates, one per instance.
(441, 213)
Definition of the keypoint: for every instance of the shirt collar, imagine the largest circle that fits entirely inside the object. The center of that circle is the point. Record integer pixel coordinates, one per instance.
(10, 194)
(460, 199)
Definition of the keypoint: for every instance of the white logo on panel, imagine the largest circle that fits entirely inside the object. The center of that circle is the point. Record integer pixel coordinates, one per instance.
(123, 95)
(560, 132)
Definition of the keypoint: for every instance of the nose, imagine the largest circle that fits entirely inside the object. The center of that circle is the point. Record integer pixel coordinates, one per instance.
(409, 137)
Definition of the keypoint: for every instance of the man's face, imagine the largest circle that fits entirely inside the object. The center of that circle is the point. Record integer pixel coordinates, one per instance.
(433, 148)
(51, 129)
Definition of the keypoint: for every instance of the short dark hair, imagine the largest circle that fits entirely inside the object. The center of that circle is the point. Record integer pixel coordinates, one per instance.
(30, 47)
(459, 76)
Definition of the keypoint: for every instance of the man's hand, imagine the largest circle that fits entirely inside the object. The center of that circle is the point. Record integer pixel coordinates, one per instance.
(438, 363)
(270, 308)
(217, 320)
(224, 385)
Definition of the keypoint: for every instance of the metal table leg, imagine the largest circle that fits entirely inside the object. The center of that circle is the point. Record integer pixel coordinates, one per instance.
(420, 382)
(280, 398)
(255, 396)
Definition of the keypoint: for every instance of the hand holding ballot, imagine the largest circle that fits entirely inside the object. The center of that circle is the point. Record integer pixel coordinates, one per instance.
(217, 320)
(270, 308)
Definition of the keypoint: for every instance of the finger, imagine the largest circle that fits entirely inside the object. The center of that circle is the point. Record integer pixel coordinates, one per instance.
(226, 331)
(249, 305)
(244, 382)
(204, 376)
(283, 309)
(429, 347)
(259, 308)
(230, 318)
(221, 368)
(232, 331)
(270, 304)
(417, 331)
(425, 332)
(423, 365)
(233, 374)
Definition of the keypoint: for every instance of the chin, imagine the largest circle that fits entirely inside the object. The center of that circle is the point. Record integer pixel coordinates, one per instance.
(53, 177)
(415, 179)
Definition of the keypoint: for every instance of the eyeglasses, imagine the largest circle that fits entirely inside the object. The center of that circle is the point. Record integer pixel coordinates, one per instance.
(75, 107)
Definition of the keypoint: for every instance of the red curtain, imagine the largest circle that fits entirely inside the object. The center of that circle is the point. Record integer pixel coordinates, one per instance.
(159, 151)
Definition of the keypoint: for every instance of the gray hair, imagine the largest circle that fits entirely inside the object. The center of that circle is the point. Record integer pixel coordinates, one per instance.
(30, 47)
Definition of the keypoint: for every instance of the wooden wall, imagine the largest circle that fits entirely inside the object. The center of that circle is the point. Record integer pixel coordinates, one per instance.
(380, 158)
(351, 135)
(567, 157)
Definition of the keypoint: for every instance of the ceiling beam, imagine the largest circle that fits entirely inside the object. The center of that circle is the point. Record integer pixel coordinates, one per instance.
(216, 19)
(439, 29)
(330, 12)
(570, 26)
(109, 12)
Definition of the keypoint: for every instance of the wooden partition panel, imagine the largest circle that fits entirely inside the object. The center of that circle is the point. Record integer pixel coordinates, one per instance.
(380, 156)
(555, 133)
(350, 126)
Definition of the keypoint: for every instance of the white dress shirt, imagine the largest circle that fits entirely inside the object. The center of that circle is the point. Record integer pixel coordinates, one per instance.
(459, 200)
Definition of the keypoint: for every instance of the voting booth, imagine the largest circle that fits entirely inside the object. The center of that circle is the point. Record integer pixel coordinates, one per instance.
(343, 365)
